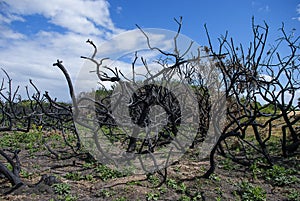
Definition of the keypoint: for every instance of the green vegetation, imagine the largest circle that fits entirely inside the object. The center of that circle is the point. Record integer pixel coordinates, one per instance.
(79, 172)
(105, 194)
(64, 192)
(106, 173)
(76, 176)
(153, 179)
(120, 199)
(152, 196)
(29, 141)
(293, 194)
(227, 164)
(280, 176)
(26, 174)
(171, 183)
(61, 188)
(91, 173)
(249, 192)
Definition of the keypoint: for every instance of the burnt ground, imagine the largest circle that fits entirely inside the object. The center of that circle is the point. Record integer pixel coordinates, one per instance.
(79, 177)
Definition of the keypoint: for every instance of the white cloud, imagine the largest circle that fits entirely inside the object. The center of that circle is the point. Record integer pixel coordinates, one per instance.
(27, 57)
(10, 18)
(134, 40)
(80, 16)
(7, 33)
(122, 50)
(266, 78)
(287, 97)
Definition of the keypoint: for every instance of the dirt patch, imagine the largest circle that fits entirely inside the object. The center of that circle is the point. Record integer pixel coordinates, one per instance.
(81, 178)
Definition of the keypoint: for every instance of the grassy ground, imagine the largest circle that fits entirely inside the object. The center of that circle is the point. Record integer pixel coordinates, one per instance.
(81, 178)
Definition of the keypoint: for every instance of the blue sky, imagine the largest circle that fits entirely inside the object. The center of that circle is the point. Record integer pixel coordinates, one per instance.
(35, 33)
(232, 15)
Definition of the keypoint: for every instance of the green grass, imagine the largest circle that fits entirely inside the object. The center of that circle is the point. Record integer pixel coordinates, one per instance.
(21, 140)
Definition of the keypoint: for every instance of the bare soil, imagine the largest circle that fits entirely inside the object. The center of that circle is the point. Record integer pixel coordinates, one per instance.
(184, 182)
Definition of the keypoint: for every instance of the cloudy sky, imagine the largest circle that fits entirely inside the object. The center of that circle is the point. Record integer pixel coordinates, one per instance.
(35, 33)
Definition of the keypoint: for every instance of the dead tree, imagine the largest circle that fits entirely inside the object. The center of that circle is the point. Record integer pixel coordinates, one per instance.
(258, 74)
(22, 115)
(95, 113)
